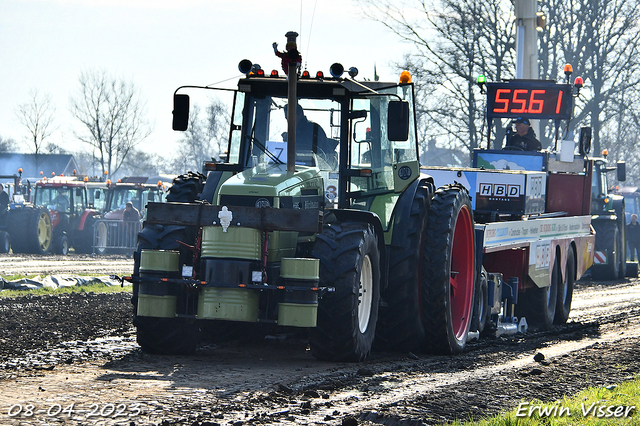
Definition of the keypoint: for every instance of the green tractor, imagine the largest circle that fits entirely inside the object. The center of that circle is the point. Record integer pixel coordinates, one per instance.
(319, 219)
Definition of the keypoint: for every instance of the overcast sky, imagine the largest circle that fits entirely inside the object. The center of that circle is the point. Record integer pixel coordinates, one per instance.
(162, 44)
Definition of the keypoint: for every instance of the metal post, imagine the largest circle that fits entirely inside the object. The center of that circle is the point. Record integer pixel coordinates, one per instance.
(291, 118)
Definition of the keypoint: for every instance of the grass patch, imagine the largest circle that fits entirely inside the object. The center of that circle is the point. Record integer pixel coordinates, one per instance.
(613, 405)
(95, 288)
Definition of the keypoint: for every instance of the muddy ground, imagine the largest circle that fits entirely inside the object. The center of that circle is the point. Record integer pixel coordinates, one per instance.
(73, 360)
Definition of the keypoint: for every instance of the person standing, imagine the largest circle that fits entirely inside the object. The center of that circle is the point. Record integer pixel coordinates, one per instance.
(633, 237)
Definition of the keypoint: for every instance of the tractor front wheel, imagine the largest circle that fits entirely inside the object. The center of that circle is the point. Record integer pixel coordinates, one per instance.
(349, 262)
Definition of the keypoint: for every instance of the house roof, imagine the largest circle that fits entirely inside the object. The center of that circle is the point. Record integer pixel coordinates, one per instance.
(32, 165)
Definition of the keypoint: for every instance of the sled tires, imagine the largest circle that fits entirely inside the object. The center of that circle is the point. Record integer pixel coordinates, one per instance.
(350, 263)
(565, 290)
(448, 271)
(538, 304)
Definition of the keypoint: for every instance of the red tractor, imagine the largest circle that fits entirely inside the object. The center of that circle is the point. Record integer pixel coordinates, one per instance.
(57, 219)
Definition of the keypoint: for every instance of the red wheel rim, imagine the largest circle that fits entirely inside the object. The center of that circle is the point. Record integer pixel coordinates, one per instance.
(462, 273)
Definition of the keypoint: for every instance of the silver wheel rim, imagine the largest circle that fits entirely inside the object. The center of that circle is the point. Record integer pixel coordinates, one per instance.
(365, 294)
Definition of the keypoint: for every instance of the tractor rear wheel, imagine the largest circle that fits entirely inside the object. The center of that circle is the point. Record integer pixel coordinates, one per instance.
(448, 271)
(349, 262)
(399, 326)
(36, 231)
(607, 237)
(186, 188)
(565, 290)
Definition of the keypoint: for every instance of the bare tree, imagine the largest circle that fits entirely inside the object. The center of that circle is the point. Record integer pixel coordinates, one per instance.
(455, 40)
(7, 145)
(113, 116)
(206, 138)
(37, 116)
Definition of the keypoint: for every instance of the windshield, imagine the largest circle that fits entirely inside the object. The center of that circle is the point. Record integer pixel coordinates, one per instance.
(317, 132)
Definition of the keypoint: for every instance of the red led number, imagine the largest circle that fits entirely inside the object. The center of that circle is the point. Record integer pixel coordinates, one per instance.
(522, 101)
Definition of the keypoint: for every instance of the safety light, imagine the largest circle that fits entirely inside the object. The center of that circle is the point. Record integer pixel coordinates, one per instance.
(405, 77)
(41, 173)
(578, 82)
(353, 72)
(118, 181)
(274, 73)
(260, 72)
(605, 152)
(74, 172)
(568, 69)
(106, 172)
(108, 182)
(20, 170)
(86, 179)
(305, 74)
(319, 75)
(481, 79)
(61, 174)
(53, 174)
(159, 183)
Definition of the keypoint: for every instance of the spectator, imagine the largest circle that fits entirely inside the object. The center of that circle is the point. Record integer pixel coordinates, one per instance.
(633, 237)
(4, 203)
(131, 214)
(524, 137)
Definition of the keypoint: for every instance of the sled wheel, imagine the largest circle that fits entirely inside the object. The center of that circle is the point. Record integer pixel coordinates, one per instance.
(349, 262)
(448, 271)
(538, 304)
(565, 290)
(481, 308)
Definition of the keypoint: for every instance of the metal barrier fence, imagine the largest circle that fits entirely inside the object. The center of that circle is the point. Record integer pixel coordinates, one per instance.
(115, 236)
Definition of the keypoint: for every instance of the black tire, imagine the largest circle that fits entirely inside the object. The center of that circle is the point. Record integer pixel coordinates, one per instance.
(607, 240)
(162, 335)
(349, 261)
(31, 230)
(83, 240)
(5, 242)
(186, 188)
(61, 245)
(481, 307)
(538, 305)
(565, 290)
(620, 250)
(448, 271)
(167, 336)
(399, 325)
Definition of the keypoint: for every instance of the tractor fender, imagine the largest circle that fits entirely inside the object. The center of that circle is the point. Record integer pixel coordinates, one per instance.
(352, 215)
(83, 219)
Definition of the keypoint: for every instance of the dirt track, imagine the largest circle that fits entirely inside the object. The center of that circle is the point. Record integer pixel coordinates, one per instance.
(80, 349)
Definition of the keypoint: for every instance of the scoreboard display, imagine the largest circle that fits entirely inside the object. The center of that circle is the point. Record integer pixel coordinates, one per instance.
(530, 99)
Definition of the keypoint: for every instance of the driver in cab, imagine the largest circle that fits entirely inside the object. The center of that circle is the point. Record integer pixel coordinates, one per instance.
(524, 137)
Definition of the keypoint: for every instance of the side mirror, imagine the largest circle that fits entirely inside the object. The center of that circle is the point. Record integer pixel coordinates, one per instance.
(180, 112)
(398, 121)
(621, 171)
(584, 146)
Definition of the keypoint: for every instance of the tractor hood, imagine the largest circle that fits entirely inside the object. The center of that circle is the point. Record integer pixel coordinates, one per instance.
(269, 185)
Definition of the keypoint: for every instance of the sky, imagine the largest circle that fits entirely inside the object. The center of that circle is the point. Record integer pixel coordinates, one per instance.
(159, 45)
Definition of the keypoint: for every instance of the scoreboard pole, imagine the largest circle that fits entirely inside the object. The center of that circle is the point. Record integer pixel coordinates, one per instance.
(527, 45)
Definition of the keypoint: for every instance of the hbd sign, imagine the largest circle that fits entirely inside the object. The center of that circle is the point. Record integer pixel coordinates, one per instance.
(500, 190)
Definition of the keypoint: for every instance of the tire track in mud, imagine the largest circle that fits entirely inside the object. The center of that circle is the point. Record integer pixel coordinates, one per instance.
(278, 381)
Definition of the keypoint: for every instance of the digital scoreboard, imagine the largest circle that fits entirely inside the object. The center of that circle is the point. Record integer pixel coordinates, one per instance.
(530, 99)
